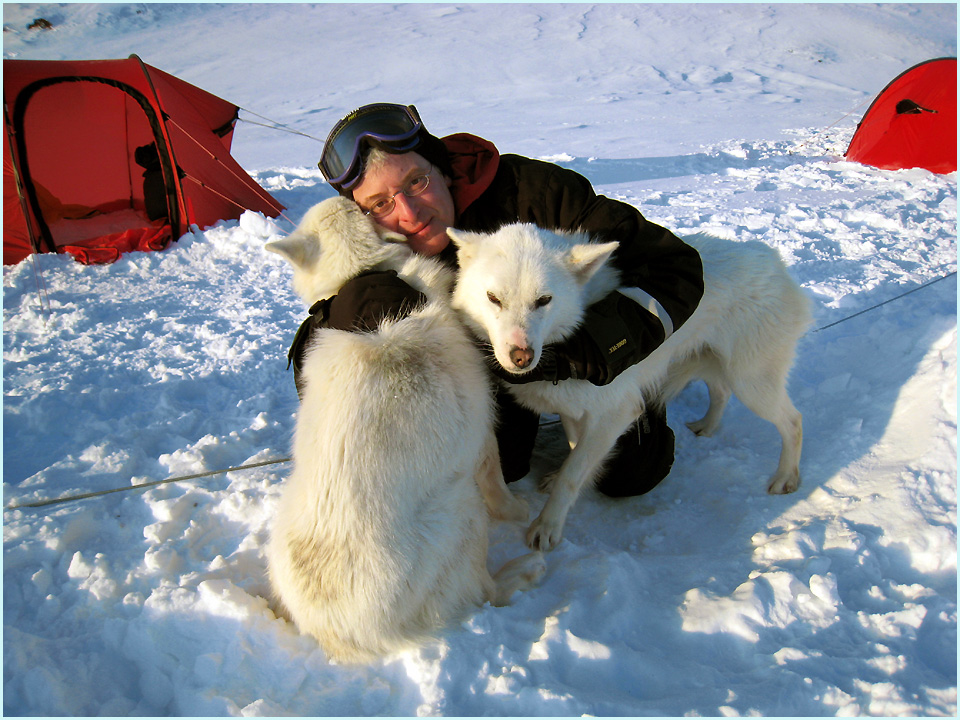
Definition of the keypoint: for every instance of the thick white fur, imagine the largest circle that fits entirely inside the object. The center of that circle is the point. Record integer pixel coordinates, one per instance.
(740, 340)
(381, 533)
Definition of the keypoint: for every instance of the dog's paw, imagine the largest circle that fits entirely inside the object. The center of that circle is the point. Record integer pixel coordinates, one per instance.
(701, 428)
(522, 573)
(533, 568)
(784, 483)
(527, 569)
(544, 535)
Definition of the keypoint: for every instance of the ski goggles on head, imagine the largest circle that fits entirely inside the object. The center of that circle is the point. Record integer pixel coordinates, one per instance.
(393, 128)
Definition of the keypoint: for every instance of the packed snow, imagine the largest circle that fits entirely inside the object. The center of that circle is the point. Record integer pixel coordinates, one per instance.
(704, 597)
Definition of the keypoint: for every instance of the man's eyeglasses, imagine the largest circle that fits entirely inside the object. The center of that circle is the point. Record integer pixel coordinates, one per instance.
(413, 187)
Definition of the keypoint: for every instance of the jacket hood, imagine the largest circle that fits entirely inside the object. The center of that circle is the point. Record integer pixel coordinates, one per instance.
(474, 162)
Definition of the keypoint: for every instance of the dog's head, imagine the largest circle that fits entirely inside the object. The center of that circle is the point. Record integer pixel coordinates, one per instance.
(523, 287)
(334, 242)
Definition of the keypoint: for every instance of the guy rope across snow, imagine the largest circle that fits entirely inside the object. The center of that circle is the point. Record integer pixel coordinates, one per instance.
(143, 486)
(155, 483)
(885, 302)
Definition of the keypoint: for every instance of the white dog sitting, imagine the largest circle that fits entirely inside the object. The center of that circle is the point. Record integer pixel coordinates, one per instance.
(381, 533)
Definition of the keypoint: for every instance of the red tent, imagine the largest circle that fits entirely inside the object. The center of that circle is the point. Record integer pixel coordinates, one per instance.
(913, 122)
(106, 156)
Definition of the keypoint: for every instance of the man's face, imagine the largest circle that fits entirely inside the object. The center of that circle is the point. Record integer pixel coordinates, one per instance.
(424, 218)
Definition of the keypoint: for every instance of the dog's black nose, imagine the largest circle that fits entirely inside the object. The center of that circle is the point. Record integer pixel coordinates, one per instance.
(521, 357)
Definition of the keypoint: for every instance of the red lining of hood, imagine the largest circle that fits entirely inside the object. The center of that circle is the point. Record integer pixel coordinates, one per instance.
(474, 162)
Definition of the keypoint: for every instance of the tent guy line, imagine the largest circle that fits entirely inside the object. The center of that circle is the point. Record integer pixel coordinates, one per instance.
(144, 486)
(276, 125)
(885, 302)
(155, 483)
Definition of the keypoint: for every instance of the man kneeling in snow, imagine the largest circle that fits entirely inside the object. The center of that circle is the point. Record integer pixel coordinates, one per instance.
(382, 157)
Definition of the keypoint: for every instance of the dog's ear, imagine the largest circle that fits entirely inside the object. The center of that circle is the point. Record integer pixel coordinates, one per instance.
(586, 258)
(297, 250)
(465, 238)
(465, 241)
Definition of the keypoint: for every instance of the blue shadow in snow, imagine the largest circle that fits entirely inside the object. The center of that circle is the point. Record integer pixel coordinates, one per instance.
(603, 171)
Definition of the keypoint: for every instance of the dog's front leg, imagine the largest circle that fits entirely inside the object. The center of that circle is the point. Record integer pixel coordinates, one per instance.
(572, 429)
(501, 503)
(597, 437)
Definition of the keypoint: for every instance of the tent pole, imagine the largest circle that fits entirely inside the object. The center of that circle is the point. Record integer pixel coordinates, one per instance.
(34, 234)
(184, 217)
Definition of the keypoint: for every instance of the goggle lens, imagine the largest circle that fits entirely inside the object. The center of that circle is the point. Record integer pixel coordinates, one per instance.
(391, 127)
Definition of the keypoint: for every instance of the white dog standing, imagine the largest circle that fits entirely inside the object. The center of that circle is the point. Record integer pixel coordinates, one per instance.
(381, 533)
(522, 287)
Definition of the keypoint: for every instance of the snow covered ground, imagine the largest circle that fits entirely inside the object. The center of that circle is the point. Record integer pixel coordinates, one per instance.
(705, 597)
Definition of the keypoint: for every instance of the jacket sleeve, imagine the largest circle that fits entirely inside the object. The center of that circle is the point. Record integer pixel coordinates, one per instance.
(364, 301)
(360, 306)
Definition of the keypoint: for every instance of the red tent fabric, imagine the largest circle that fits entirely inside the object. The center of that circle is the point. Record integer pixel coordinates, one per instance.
(106, 156)
(913, 122)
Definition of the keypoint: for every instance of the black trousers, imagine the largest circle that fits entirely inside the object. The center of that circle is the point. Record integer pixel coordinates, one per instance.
(641, 458)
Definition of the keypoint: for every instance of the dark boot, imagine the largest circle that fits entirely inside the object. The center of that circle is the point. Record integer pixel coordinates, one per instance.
(641, 458)
(516, 434)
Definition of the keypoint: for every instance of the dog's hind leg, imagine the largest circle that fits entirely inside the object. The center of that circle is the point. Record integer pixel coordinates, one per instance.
(521, 573)
(719, 393)
(500, 502)
(790, 424)
(706, 366)
(767, 397)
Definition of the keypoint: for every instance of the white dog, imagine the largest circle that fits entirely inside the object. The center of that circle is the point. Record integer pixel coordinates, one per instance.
(523, 287)
(381, 533)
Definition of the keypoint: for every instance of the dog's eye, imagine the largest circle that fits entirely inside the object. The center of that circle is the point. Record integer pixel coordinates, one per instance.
(494, 299)
(542, 301)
